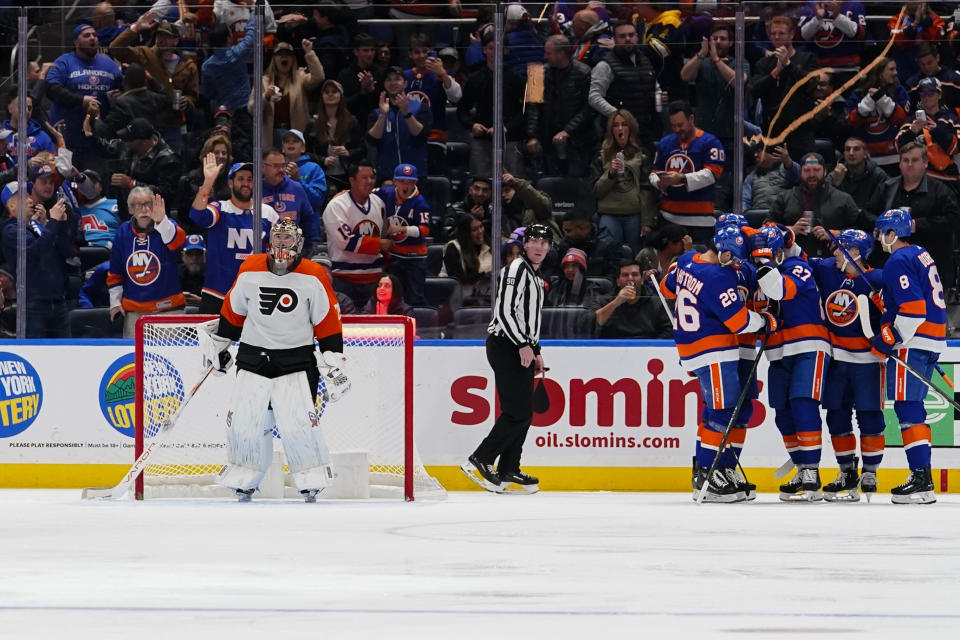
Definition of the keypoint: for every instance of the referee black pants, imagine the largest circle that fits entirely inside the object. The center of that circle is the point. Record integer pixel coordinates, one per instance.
(514, 385)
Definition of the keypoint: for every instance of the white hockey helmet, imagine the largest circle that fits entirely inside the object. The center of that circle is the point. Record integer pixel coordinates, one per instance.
(286, 243)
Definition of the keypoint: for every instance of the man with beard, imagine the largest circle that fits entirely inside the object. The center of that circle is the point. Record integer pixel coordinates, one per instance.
(76, 81)
(858, 175)
(476, 203)
(231, 235)
(142, 278)
(626, 78)
(825, 206)
(176, 73)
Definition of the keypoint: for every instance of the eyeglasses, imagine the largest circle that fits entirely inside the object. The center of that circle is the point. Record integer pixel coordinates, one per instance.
(144, 206)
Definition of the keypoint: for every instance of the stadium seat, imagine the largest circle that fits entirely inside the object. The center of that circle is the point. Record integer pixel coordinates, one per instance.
(94, 323)
(434, 260)
(458, 161)
(604, 284)
(425, 316)
(92, 256)
(566, 323)
(828, 151)
(455, 130)
(756, 217)
(438, 291)
(436, 157)
(437, 191)
(567, 194)
(471, 323)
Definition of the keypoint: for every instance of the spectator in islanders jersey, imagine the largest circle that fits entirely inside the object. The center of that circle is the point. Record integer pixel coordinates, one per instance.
(289, 199)
(143, 278)
(687, 165)
(407, 214)
(229, 224)
(428, 80)
(836, 31)
(876, 110)
(354, 222)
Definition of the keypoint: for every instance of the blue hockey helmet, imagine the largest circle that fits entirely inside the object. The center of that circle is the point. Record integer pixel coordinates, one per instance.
(856, 239)
(896, 220)
(772, 237)
(730, 239)
(730, 220)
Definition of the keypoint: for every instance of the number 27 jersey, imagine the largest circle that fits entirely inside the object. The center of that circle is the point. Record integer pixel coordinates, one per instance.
(709, 311)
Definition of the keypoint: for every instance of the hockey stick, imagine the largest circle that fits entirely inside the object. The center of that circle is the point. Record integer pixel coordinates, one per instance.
(873, 292)
(138, 466)
(868, 331)
(733, 418)
(663, 301)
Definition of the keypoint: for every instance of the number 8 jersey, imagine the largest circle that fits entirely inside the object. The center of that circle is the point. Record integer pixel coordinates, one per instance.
(709, 311)
(913, 299)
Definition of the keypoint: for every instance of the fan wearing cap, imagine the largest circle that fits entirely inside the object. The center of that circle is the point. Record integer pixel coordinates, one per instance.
(399, 128)
(77, 80)
(143, 262)
(935, 127)
(99, 215)
(145, 160)
(407, 214)
(49, 241)
(229, 224)
(288, 198)
(301, 168)
(176, 73)
(193, 268)
(513, 351)
(428, 79)
(285, 87)
(928, 60)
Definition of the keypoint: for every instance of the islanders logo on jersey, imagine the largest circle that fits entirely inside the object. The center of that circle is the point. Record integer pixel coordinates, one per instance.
(21, 394)
(118, 395)
(828, 37)
(878, 126)
(680, 162)
(841, 307)
(143, 267)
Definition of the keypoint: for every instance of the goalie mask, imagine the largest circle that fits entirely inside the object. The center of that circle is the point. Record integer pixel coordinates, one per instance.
(286, 242)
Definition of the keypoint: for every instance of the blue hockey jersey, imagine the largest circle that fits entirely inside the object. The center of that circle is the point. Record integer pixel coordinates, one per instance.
(143, 268)
(839, 292)
(912, 290)
(99, 221)
(413, 213)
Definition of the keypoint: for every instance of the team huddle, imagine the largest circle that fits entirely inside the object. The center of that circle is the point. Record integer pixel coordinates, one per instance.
(837, 335)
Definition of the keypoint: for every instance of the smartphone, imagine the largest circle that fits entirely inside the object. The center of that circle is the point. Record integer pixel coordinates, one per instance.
(432, 53)
(920, 115)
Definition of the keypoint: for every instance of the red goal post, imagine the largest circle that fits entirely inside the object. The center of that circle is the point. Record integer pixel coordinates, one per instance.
(375, 417)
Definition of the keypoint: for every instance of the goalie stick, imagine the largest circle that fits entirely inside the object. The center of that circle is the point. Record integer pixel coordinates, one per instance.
(864, 304)
(733, 418)
(121, 489)
(873, 292)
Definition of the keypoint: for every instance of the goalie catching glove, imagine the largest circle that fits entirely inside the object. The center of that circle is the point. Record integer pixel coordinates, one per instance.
(335, 381)
(214, 349)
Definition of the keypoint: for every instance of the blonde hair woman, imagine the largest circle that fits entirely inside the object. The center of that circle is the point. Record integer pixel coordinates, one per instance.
(284, 87)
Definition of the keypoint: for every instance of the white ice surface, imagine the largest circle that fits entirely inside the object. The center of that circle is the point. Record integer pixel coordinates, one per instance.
(552, 565)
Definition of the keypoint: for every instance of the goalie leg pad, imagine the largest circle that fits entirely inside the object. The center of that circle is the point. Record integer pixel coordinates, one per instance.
(299, 425)
(247, 457)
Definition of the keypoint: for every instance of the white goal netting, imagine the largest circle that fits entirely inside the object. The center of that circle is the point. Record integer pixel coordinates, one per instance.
(373, 421)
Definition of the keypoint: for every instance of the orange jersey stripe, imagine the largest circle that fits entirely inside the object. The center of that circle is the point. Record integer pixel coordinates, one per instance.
(737, 321)
(681, 207)
(913, 308)
(175, 301)
(707, 343)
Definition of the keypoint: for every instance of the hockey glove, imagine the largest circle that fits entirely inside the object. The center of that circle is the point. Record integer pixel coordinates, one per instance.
(866, 106)
(788, 237)
(883, 342)
(335, 381)
(759, 251)
(886, 106)
(772, 323)
(215, 350)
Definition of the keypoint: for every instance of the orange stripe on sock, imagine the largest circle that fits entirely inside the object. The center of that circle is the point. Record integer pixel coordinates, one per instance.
(918, 433)
(844, 444)
(737, 436)
(710, 439)
(810, 438)
(791, 442)
(872, 444)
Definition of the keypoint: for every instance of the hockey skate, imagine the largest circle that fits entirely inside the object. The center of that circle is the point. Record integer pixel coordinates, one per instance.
(918, 489)
(868, 484)
(844, 488)
(719, 489)
(481, 473)
(517, 482)
(310, 495)
(803, 487)
(244, 495)
(736, 477)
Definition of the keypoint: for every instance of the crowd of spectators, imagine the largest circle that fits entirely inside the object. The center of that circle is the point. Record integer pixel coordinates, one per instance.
(619, 132)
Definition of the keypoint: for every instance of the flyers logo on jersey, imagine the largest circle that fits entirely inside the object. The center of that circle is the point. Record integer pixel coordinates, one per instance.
(283, 300)
(841, 307)
(143, 267)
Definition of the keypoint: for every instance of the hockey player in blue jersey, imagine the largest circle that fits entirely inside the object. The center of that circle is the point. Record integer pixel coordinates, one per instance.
(709, 316)
(913, 325)
(855, 376)
(799, 354)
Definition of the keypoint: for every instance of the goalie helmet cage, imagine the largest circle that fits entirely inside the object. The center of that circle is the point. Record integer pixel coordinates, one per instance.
(376, 416)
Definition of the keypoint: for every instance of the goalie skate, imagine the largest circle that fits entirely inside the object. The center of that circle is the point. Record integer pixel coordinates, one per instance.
(518, 482)
(803, 487)
(845, 488)
(482, 474)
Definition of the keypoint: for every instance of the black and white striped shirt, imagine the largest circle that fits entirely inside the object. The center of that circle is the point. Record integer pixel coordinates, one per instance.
(516, 315)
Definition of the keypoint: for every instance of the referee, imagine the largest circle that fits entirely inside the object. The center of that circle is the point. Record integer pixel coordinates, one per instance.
(513, 351)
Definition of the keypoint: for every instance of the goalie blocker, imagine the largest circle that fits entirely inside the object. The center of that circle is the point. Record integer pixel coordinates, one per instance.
(276, 308)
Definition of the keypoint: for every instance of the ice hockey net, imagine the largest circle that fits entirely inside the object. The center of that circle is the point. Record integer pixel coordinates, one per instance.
(375, 417)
